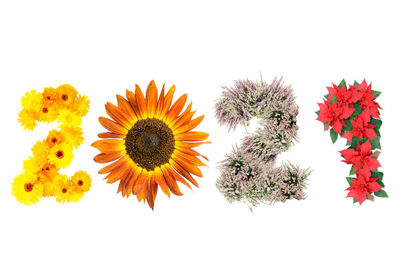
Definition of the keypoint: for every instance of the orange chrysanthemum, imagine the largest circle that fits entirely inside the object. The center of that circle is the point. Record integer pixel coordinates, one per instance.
(151, 141)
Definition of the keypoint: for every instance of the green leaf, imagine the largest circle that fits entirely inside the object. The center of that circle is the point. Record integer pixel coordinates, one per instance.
(354, 200)
(333, 100)
(326, 96)
(352, 172)
(350, 180)
(317, 112)
(376, 143)
(358, 108)
(342, 83)
(348, 127)
(354, 142)
(334, 135)
(376, 174)
(376, 93)
(379, 181)
(356, 83)
(381, 193)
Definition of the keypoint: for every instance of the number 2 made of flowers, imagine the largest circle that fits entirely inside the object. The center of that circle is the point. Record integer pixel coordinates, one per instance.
(249, 173)
(352, 112)
(40, 176)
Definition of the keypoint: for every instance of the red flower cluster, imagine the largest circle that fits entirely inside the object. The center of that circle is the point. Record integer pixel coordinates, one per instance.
(352, 112)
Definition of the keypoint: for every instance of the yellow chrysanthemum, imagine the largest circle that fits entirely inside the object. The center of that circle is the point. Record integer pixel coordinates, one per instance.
(81, 181)
(66, 94)
(62, 189)
(73, 135)
(54, 138)
(40, 151)
(27, 118)
(47, 112)
(32, 100)
(31, 165)
(61, 155)
(81, 105)
(50, 95)
(26, 189)
(75, 196)
(68, 118)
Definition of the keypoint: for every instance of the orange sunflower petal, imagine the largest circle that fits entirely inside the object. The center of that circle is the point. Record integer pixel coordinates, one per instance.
(167, 102)
(187, 165)
(117, 115)
(160, 103)
(151, 99)
(191, 136)
(114, 165)
(117, 174)
(112, 126)
(190, 126)
(108, 157)
(171, 182)
(132, 181)
(132, 101)
(181, 170)
(176, 108)
(152, 189)
(110, 135)
(127, 109)
(159, 179)
(109, 145)
(141, 102)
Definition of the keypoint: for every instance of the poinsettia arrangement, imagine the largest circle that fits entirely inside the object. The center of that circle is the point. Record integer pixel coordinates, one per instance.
(352, 112)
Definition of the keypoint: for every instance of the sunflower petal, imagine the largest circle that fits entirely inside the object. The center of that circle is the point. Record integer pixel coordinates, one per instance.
(141, 102)
(112, 126)
(190, 126)
(132, 101)
(191, 152)
(109, 145)
(118, 174)
(159, 179)
(187, 166)
(114, 165)
(152, 188)
(117, 115)
(190, 159)
(110, 135)
(183, 172)
(160, 103)
(171, 182)
(191, 136)
(167, 102)
(108, 157)
(132, 180)
(176, 108)
(126, 108)
(151, 99)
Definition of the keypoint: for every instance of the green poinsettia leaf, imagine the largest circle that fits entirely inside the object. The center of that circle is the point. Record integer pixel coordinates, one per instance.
(358, 108)
(326, 96)
(377, 174)
(350, 180)
(381, 193)
(352, 172)
(354, 142)
(333, 100)
(356, 83)
(334, 135)
(376, 143)
(354, 200)
(379, 181)
(342, 83)
(317, 112)
(376, 93)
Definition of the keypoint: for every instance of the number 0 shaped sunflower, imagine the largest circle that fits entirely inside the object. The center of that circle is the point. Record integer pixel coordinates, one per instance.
(151, 143)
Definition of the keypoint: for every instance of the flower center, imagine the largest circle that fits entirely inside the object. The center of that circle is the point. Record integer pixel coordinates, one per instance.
(64, 190)
(60, 154)
(28, 187)
(45, 110)
(64, 97)
(150, 143)
(80, 182)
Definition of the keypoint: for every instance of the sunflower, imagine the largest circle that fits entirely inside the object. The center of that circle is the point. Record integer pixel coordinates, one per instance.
(151, 142)
(26, 189)
(61, 155)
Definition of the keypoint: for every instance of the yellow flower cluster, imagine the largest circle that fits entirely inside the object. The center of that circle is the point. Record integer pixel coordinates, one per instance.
(41, 177)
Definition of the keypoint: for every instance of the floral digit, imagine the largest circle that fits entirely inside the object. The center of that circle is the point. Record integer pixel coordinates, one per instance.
(352, 112)
(41, 172)
(249, 173)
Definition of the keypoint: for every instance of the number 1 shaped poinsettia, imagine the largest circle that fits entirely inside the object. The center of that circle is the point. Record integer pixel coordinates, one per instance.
(352, 112)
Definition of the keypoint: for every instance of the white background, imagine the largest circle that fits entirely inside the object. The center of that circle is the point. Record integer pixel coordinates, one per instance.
(104, 47)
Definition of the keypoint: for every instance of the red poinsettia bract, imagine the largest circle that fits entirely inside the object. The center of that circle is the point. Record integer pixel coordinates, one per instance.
(361, 157)
(363, 186)
(334, 115)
